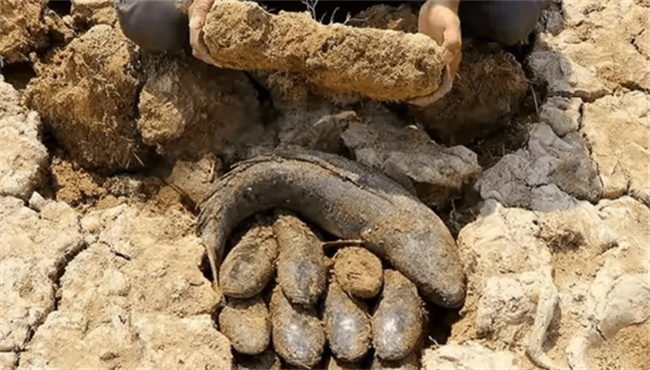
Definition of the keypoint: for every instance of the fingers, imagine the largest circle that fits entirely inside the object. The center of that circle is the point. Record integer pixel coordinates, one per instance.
(452, 43)
(197, 13)
(445, 86)
(455, 63)
(441, 23)
(200, 8)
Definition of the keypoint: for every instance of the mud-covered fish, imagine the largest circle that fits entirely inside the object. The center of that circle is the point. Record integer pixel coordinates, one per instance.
(347, 200)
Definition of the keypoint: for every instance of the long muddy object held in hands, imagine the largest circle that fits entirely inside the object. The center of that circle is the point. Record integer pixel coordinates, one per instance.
(347, 200)
(381, 64)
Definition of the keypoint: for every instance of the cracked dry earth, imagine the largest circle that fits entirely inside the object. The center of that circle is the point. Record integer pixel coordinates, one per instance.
(100, 266)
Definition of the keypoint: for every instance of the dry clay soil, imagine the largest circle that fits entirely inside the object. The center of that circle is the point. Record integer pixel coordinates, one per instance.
(106, 151)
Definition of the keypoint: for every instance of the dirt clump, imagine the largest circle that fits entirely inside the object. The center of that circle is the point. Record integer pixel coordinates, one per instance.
(358, 272)
(488, 91)
(188, 109)
(573, 162)
(550, 172)
(74, 185)
(27, 26)
(562, 114)
(616, 128)
(107, 104)
(486, 95)
(86, 96)
(88, 13)
(242, 35)
(408, 155)
(23, 158)
(86, 190)
(194, 178)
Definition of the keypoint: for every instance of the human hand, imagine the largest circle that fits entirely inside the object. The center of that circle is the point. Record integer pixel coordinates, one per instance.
(197, 13)
(445, 86)
(439, 20)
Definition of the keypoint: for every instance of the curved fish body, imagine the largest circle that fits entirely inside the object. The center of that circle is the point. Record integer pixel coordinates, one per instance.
(348, 200)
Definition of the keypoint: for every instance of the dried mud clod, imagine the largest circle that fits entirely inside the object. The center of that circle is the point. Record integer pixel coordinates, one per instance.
(108, 104)
(86, 96)
(384, 65)
(87, 13)
(23, 158)
(27, 26)
(187, 108)
(486, 94)
(74, 185)
(358, 272)
(408, 155)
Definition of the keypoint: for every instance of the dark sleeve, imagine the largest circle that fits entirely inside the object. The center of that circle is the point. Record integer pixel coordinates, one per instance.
(154, 24)
(504, 21)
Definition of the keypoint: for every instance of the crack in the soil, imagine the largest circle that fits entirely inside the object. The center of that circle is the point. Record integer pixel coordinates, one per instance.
(16, 356)
(61, 269)
(586, 97)
(56, 281)
(119, 254)
(590, 151)
(634, 86)
(602, 336)
(636, 47)
(581, 110)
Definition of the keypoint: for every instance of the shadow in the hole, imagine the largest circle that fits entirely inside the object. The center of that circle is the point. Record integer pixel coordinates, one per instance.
(18, 74)
(61, 7)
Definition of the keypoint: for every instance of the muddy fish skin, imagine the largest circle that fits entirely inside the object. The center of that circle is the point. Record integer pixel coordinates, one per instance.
(347, 200)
